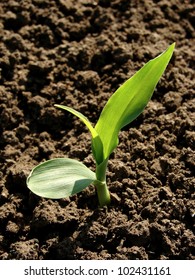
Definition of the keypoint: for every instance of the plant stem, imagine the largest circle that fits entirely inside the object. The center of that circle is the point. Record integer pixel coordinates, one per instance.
(100, 184)
(103, 193)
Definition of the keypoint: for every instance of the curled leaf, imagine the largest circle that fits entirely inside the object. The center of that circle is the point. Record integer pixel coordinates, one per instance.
(97, 147)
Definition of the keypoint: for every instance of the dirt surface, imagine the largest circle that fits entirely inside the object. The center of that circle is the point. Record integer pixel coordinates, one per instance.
(77, 53)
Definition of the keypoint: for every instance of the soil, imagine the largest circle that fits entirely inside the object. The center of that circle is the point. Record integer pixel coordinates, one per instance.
(78, 53)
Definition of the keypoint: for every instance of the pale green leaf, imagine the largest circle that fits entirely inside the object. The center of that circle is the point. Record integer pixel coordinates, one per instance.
(130, 100)
(60, 177)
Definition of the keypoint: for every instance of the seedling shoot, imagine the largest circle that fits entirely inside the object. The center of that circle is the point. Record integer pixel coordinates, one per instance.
(62, 177)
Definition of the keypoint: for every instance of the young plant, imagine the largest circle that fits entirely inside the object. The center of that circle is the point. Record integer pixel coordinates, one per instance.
(63, 177)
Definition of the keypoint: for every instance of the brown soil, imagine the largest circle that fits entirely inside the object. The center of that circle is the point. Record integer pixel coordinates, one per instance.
(77, 53)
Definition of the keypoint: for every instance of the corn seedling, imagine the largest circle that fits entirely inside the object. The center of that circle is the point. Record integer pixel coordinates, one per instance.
(63, 177)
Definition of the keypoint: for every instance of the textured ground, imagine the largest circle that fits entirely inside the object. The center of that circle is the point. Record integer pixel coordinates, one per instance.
(77, 53)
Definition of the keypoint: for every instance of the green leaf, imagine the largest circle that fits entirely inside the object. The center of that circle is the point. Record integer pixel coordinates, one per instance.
(81, 117)
(60, 177)
(97, 146)
(130, 100)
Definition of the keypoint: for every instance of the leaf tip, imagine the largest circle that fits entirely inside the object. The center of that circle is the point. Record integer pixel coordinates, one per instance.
(172, 46)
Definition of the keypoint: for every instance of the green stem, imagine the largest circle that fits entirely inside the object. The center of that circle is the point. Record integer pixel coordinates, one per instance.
(100, 184)
(103, 193)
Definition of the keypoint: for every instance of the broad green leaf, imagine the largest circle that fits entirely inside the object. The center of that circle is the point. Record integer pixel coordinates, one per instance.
(60, 177)
(130, 100)
(97, 147)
